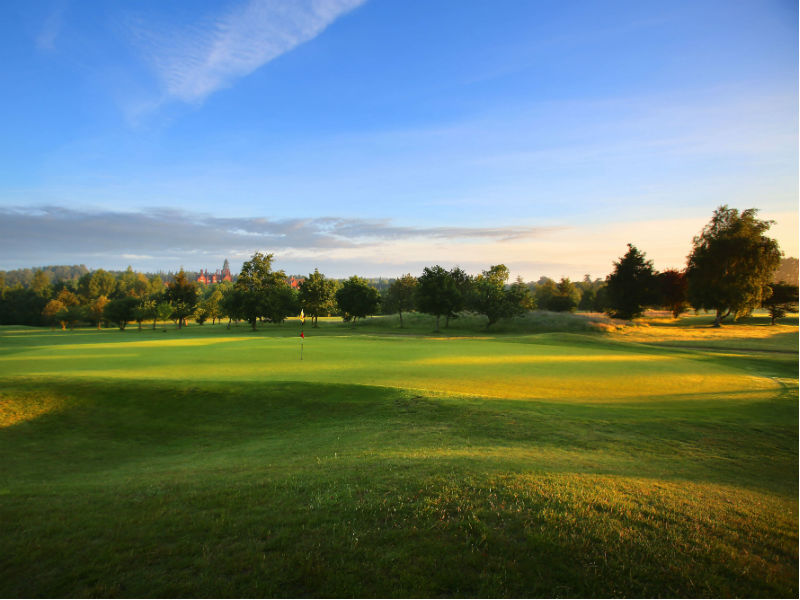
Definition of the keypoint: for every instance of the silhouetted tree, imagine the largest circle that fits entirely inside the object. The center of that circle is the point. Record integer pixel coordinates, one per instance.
(783, 299)
(673, 288)
(631, 287)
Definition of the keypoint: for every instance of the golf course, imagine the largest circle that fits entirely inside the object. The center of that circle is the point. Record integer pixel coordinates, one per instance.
(571, 458)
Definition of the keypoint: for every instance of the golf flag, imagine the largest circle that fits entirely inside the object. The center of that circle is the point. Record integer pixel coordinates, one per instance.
(302, 335)
(302, 316)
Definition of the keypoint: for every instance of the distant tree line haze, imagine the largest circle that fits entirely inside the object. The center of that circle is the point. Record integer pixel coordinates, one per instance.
(732, 269)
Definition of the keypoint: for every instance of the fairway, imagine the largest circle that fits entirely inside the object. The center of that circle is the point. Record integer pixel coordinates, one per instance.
(657, 460)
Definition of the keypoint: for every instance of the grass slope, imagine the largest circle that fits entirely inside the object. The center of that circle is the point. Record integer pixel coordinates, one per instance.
(655, 460)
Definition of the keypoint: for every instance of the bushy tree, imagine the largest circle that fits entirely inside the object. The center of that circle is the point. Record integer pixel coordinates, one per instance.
(544, 290)
(51, 312)
(163, 311)
(401, 295)
(436, 293)
(182, 294)
(673, 287)
(463, 287)
(357, 299)
(72, 314)
(131, 283)
(262, 293)
(492, 298)
(565, 298)
(96, 309)
(282, 301)
(97, 283)
(21, 306)
(318, 296)
(121, 311)
(631, 287)
(41, 284)
(782, 299)
(731, 263)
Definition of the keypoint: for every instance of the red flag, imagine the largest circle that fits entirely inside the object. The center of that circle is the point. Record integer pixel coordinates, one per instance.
(302, 335)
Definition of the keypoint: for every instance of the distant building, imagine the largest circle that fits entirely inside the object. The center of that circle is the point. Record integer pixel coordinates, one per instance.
(220, 275)
(295, 283)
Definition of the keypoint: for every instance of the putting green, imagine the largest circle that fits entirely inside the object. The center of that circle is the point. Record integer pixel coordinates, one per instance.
(581, 369)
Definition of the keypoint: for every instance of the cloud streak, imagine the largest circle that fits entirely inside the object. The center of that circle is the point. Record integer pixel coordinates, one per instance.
(50, 233)
(196, 61)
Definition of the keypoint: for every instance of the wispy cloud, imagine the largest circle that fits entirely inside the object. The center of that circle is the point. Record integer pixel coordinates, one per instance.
(46, 38)
(164, 238)
(195, 61)
(48, 232)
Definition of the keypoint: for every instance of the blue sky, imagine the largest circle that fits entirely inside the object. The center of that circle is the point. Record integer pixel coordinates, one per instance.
(377, 137)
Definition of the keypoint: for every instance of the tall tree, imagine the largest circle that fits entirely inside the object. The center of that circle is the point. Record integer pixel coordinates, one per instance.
(262, 292)
(182, 294)
(401, 295)
(318, 296)
(731, 263)
(97, 283)
(437, 293)
(357, 299)
(631, 287)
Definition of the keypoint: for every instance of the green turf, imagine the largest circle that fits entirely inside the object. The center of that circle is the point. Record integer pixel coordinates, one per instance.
(656, 460)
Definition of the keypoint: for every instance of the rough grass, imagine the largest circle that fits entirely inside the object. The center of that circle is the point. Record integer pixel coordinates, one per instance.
(212, 462)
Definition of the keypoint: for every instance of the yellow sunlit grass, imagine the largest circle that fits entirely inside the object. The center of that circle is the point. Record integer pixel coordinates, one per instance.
(21, 407)
(166, 343)
(643, 332)
(26, 357)
(536, 359)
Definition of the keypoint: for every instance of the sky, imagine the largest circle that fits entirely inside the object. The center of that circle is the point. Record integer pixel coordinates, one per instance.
(376, 137)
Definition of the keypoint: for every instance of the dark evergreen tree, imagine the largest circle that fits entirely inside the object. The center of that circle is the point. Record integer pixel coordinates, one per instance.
(565, 298)
(631, 287)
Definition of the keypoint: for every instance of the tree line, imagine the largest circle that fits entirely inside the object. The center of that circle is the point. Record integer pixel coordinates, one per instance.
(729, 271)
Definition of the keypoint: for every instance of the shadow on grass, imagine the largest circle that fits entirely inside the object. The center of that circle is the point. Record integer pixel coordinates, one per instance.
(158, 489)
(128, 429)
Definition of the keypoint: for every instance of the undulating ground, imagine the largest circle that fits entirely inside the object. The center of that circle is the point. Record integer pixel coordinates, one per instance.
(552, 456)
